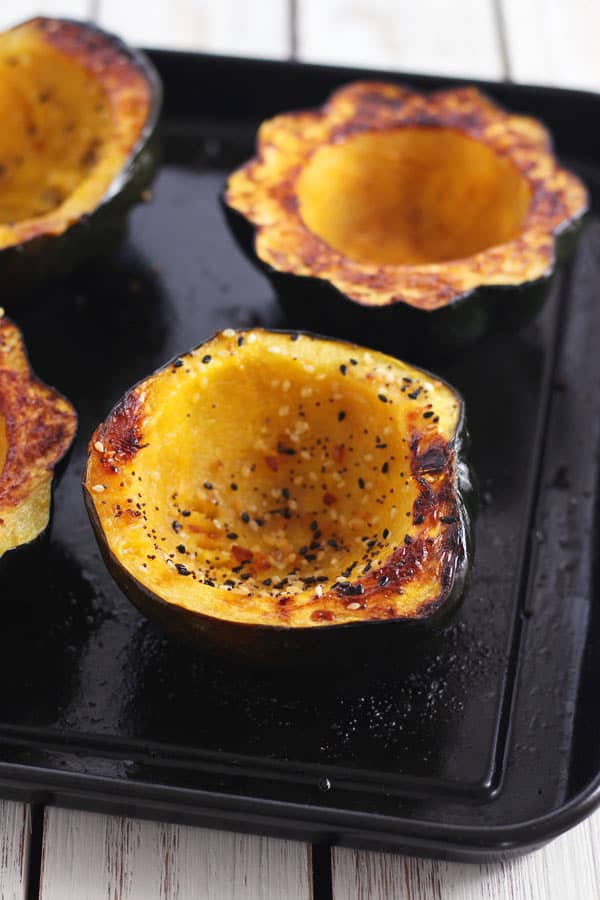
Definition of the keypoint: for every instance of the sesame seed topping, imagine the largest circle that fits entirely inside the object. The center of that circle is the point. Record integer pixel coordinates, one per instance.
(99, 446)
(229, 332)
(98, 488)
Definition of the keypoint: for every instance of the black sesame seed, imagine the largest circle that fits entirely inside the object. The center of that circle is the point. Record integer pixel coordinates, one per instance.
(185, 513)
(384, 468)
(245, 517)
(206, 359)
(349, 590)
(343, 369)
(407, 539)
(447, 520)
(233, 486)
(176, 526)
(419, 520)
(361, 483)
(294, 337)
(385, 533)
(240, 341)
(428, 414)
(268, 582)
(177, 363)
(353, 362)
(341, 416)
(382, 397)
(183, 570)
(232, 536)
(383, 580)
(208, 485)
(181, 548)
(313, 525)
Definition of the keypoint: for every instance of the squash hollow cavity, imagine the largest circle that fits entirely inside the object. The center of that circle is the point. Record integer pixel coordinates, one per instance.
(413, 195)
(76, 105)
(283, 479)
(56, 124)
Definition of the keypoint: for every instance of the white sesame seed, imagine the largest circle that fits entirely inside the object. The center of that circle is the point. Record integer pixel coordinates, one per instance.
(99, 446)
(353, 606)
(284, 410)
(274, 349)
(305, 454)
(251, 338)
(319, 590)
(98, 488)
(306, 392)
(229, 332)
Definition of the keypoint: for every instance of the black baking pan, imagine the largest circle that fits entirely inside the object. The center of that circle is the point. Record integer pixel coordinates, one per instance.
(481, 741)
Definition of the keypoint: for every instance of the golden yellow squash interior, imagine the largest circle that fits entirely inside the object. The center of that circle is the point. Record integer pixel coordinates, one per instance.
(55, 125)
(411, 195)
(270, 468)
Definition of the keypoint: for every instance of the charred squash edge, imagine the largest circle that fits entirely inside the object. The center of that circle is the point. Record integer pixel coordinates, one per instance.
(280, 645)
(26, 263)
(22, 377)
(457, 317)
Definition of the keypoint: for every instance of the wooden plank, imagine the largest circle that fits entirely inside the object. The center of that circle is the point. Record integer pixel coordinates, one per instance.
(554, 41)
(457, 38)
(229, 26)
(14, 11)
(92, 857)
(566, 869)
(15, 832)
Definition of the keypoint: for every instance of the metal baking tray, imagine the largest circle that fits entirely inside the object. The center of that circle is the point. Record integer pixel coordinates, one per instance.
(484, 740)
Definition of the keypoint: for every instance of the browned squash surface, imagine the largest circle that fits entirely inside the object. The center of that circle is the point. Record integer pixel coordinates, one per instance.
(284, 480)
(37, 427)
(395, 197)
(73, 106)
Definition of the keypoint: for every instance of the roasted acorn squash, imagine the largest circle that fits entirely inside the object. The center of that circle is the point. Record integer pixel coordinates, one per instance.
(269, 486)
(37, 427)
(79, 112)
(442, 215)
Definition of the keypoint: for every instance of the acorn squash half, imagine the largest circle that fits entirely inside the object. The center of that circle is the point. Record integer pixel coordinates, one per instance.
(37, 427)
(436, 218)
(271, 494)
(77, 148)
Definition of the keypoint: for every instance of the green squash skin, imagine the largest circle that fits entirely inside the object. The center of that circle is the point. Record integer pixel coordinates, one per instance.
(400, 329)
(321, 647)
(27, 266)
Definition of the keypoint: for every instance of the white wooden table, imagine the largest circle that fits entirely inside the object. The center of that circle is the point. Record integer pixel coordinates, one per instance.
(70, 855)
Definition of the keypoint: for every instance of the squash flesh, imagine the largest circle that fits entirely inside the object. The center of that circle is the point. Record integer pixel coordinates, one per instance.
(358, 195)
(411, 196)
(37, 426)
(73, 107)
(258, 482)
